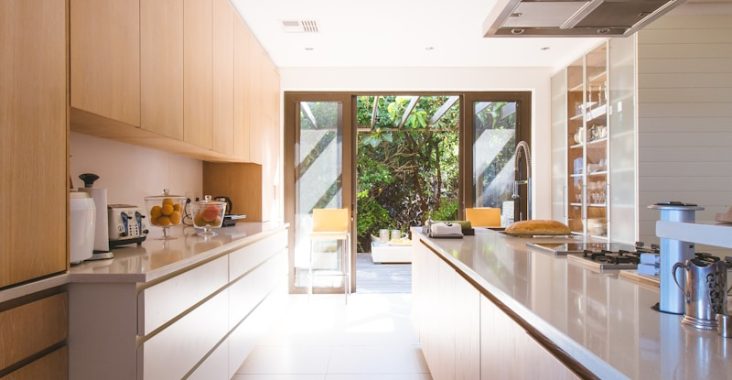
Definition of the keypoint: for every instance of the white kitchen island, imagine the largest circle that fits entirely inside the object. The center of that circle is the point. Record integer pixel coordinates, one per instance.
(192, 307)
(489, 307)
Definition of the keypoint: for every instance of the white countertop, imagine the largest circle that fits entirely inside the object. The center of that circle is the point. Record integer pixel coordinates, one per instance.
(604, 322)
(157, 258)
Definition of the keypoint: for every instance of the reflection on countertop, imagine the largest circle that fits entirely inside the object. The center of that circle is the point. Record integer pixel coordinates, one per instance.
(157, 258)
(603, 321)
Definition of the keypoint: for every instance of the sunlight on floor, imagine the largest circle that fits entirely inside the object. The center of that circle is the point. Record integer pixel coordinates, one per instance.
(319, 337)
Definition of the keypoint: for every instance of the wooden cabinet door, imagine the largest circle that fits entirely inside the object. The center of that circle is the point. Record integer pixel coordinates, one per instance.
(242, 88)
(161, 57)
(198, 72)
(256, 54)
(33, 179)
(223, 77)
(105, 58)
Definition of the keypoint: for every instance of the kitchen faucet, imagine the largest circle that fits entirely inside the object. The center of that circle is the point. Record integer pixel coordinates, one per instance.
(522, 146)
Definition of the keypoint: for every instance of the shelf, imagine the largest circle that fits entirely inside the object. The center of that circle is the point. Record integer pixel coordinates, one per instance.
(576, 146)
(718, 235)
(602, 205)
(575, 175)
(576, 204)
(594, 142)
(576, 117)
(597, 112)
(598, 237)
(576, 88)
(604, 172)
(597, 76)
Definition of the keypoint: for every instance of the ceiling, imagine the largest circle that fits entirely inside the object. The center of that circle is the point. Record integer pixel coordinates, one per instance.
(398, 33)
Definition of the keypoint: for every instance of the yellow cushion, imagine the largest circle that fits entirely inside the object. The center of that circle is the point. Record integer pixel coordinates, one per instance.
(483, 216)
(330, 220)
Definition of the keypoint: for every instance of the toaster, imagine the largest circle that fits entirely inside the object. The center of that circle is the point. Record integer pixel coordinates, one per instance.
(127, 225)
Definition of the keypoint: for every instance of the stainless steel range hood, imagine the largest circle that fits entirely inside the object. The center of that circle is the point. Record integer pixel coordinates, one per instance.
(573, 18)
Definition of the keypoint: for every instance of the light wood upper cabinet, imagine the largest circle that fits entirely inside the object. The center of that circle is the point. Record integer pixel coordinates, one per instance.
(242, 88)
(161, 58)
(33, 103)
(255, 102)
(105, 58)
(223, 76)
(198, 72)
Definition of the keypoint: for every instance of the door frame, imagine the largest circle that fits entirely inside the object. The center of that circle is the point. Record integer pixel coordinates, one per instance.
(291, 136)
(523, 132)
(348, 99)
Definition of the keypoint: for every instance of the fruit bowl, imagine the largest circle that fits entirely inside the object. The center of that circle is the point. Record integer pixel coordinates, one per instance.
(208, 215)
(165, 211)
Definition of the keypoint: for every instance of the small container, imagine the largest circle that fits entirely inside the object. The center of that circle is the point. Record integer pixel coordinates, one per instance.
(724, 325)
(165, 211)
(396, 234)
(384, 235)
(208, 215)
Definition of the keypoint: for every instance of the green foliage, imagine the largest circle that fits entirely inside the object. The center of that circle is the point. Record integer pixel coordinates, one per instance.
(406, 173)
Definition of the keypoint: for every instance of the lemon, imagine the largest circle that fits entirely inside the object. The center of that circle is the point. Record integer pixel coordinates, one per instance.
(167, 209)
(164, 221)
(155, 212)
(175, 217)
(176, 207)
(168, 201)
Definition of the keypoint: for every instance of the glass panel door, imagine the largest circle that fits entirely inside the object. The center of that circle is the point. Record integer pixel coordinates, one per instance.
(496, 124)
(321, 165)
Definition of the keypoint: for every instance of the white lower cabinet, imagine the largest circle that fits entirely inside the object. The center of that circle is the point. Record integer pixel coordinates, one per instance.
(216, 365)
(464, 335)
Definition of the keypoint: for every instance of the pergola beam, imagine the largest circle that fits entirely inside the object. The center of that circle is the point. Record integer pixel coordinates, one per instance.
(375, 111)
(408, 110)
(443, 109)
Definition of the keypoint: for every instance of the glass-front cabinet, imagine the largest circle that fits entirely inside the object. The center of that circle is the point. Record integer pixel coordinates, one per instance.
(587, 153)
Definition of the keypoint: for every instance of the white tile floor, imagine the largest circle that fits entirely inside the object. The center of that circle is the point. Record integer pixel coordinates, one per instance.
(372, 338)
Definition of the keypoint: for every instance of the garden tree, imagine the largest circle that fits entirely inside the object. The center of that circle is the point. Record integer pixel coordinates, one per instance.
(407, 169)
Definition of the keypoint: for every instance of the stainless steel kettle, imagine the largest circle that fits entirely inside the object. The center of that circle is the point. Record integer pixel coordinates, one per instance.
(705, 290)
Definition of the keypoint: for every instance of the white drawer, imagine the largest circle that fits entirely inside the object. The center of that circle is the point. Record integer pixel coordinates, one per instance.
(248, 334)
(174, 351)
(252, 288)
(246, 258)
(162, 302)
(216, 365)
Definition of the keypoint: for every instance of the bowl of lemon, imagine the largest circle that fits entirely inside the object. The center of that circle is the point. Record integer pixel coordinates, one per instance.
(165, 211)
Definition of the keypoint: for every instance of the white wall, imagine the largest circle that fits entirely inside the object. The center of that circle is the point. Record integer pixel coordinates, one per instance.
(407, 79)
(685, 114)
(131, 172)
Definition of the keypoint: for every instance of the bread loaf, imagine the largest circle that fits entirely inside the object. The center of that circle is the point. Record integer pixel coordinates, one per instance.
(538, 227)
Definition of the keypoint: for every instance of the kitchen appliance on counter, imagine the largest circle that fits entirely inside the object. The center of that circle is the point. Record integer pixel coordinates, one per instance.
(82, 213)
(672, 252)
(229, 218)
(614, 257)
(561, 249)
(704, 289)
(127, 225)
(101, 220)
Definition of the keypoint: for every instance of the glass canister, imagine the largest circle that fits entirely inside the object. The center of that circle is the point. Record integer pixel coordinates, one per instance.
(165, 211)
(208, 214)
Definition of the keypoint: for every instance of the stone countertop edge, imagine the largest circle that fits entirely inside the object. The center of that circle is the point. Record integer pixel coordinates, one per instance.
(581, 354)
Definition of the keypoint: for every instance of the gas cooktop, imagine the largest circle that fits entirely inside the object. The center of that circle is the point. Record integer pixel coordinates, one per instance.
(613, 257)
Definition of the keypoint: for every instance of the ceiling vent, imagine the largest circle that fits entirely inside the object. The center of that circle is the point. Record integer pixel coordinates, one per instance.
(573, 18)
(300, 26)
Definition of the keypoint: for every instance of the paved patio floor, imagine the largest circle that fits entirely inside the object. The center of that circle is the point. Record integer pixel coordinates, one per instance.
(382, 278)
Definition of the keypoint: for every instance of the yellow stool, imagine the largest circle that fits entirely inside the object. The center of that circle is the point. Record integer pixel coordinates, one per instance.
(333, 224)
(483, 216)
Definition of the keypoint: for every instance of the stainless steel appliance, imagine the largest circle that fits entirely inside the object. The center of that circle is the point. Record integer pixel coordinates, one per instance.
(705, 290)
(127, 225)
(578, 248)
(672, 252)
(611, 256)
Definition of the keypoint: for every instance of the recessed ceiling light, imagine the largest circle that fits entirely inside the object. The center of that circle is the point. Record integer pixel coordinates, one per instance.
(545, 48)
(517, 31)
(309, 48)
(429, 48)
(603, 31)
(516, 14)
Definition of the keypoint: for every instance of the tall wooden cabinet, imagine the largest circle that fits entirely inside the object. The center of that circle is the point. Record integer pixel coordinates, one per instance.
(223, 76)
(105, 58)
(33, 134)
(161, 72)
(242, 89)
(198, 72)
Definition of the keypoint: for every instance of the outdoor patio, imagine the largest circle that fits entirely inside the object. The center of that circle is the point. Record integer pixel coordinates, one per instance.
(382, 278)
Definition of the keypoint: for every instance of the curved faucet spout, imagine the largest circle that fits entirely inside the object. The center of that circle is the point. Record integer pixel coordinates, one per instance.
(522, 148)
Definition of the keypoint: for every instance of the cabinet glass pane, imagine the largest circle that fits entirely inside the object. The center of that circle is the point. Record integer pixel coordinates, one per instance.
(596, 140)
